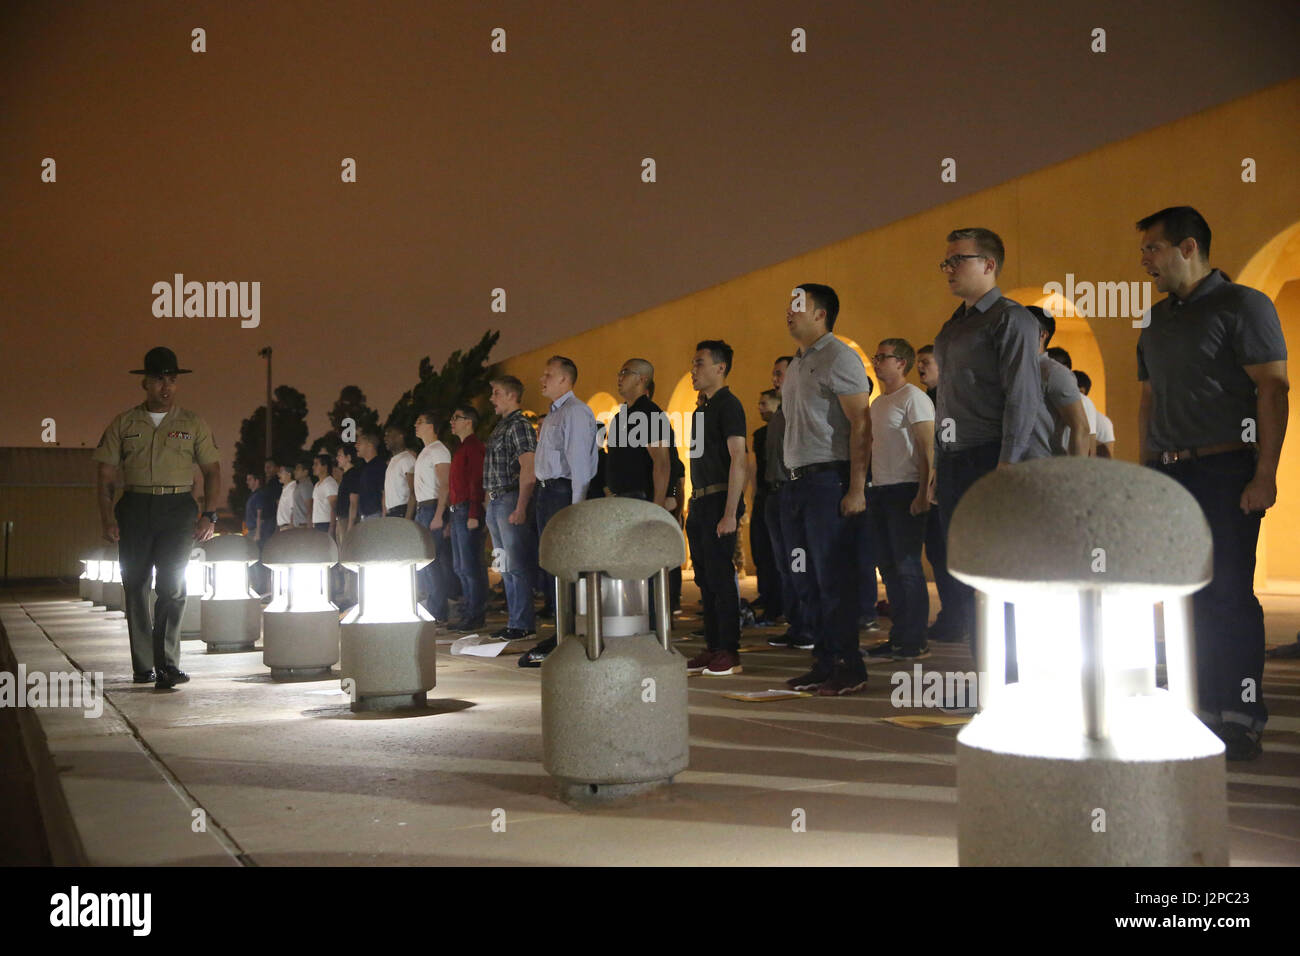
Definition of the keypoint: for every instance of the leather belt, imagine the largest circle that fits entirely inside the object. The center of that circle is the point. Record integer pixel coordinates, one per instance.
(707, 490)
(158, 489)
(551, 482)
(1191, 454)
(501, 492)
(801, 471)
(431, 503)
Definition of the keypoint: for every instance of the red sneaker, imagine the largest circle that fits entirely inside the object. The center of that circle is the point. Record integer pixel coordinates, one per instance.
(700, 661)
(723, 663)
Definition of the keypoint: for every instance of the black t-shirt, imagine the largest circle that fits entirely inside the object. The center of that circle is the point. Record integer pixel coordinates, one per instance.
(270, 501)
(723, 417)
(350, 485)
(371, 486)
(628, 466)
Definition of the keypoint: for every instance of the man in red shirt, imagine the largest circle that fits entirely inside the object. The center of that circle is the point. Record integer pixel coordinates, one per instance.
(465, 507)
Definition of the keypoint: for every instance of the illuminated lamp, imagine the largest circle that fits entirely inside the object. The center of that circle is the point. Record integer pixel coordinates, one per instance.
(195, 584)
(388, 645)
(300, 627)
(95, 573)
(110, 575)
(89, 572)
(1084, 760)
(231, 618)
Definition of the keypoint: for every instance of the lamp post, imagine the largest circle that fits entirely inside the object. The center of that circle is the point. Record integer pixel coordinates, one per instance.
(614, 716)
(231, 619)
(1084, 760)
(300, 627)
(388, 643)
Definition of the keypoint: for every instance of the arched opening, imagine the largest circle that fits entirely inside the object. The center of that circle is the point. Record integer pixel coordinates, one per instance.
(604, 406)
(1073, 333)
(681, 411)
(871, 371)
(1275, 271)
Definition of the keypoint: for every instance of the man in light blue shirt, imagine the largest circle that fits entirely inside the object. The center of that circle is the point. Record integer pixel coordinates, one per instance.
(564, 465)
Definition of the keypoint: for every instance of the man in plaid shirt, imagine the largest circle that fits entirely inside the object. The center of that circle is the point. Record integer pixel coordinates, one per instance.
(508, 485)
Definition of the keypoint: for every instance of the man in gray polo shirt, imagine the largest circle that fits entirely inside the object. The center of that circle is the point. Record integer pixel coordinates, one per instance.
(827, 450)
(1212, 362)
(1062, 425)
(990, 388)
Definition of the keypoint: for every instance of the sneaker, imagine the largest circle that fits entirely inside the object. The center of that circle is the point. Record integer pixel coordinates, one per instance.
(698, 663)
(1239, 741)
(810, 681)
(724, 663)
(944, 635)
(870, 624)
(804, 643)
(783, 640)
(908, 654)
(500, 634)
(843, 681)
(534, 657)
(884, 651)
(518, 634)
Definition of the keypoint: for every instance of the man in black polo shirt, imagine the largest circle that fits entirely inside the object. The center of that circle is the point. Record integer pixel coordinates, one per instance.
(1212, 362)
(369, 502)
(717, 481)
(639, 439)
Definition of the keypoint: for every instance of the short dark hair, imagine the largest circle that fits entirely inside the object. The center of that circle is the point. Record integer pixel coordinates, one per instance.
(433, 417)
(350, 451)
(925, 350)
(988, 242)
(470, 412)
(721, 352)
(770, 393)
(1045, 320)
(373, 436)
(825, 298)
(903, 349)
(570, 369)
(1058, 354)
(1179, 223)
(510, 384)
(784, 358)
(326, 460)
(1084, 380)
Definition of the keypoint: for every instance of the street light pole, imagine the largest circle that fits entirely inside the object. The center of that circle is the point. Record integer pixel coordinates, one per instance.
(266, 353)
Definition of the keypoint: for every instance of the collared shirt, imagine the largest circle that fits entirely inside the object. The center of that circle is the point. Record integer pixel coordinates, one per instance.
(721, 417)
(1193, 351)
(1051, 435)
(431, 456)
(513, 436)
(165, 454)
(466, 477)
(817, 430)
(990, 387)
(776, 471)
(396, 491)
(628, 465)
(566, 445)
(326, 488)
(349, 484)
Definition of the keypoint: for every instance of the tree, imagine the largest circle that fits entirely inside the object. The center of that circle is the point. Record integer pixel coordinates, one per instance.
(289, 431)
(351, 404)
(465, 379)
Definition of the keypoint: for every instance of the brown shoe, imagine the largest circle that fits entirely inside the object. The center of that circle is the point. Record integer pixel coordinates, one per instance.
(700, 661)
(843, 681)
(723, 663)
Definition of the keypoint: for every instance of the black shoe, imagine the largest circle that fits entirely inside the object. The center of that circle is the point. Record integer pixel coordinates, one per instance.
(766, 621)
(519, 634)
(945, 635)
(810, 681)
(883, 651)
(783, 640)
(502, 634)
(466, 628)
(142, 677)
(912, 653)
(538, 654)
(1239, 741)
(169, 677)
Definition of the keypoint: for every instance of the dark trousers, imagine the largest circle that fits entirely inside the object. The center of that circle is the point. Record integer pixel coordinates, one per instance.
(1228, 620)
(432, 579)
(467, 561)
(956, 471)
(898, 536)
(760, 546)
(781, 529)
(551, 500)
(869, 589)
(936, 550)
(157, 532)
(715, 572)
(828, 578)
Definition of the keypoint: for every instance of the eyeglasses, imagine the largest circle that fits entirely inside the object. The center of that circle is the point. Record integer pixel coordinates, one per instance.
(460, 418)
(952, 262)
(881, 356)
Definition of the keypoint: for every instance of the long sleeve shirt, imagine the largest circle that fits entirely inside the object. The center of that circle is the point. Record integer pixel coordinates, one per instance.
(990, 386)
(465, 481)
(566, 445)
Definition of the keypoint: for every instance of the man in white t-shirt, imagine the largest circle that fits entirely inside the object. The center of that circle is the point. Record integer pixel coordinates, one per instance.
(325, 495)
(1059, 354)
(284, 510)
(902, 457)
(1105, 427)
(399, 478)
(432, 474)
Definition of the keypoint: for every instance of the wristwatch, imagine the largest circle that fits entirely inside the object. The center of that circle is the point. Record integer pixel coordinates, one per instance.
(211, 516)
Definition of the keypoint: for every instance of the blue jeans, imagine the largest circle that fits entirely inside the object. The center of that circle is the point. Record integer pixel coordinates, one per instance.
(779, 529)
(1229, 622)
(829, 578)
(432, 578)
(899, 535)
(467, 560)
(515, 543)
(869, 592)
(551, 500)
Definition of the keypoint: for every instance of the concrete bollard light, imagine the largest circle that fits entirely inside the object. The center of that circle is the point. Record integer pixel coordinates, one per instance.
(95, 574)
(614, 716)
(110, 574)
(388, 646)
(231, 619)
(300, 627)
(89, 571)
(195, 585)
(1083, 760)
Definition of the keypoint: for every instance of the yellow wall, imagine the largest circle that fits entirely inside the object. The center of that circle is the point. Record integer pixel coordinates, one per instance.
(1074, 217)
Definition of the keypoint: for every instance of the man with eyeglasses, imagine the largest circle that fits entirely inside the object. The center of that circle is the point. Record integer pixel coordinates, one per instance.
(990, 390)
(1213, 411)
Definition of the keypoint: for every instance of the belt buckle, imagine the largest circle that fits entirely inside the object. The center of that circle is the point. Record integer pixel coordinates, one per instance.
(1169, 457)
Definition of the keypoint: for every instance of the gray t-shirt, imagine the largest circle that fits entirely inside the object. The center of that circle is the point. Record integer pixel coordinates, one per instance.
(1060, 388)
(1193, 351)
(990, 388)
(817, 429)
(775, 471)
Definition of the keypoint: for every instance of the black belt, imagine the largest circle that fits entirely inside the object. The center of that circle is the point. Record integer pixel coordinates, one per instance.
(802, 470)
(431, 503)
(552, 482)
(632, 494)
(499, 492)
(1173, 457)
